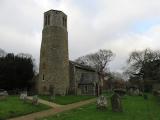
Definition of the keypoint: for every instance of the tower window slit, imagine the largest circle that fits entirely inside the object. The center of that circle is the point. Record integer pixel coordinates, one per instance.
(45, 20)
(64, 22)
(48, 21)
(43, 77)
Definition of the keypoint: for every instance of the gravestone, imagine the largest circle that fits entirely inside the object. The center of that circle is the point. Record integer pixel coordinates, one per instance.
(23, 96)
(35, 100)
(101, 102)
(116, 103)
(131, 92)
(3, 94)
(136, 91)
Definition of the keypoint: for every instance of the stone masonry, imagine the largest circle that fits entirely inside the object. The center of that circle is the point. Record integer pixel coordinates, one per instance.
(54, 62)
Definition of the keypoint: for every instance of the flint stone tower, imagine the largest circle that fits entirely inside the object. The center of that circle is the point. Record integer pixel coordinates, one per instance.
(54, 62)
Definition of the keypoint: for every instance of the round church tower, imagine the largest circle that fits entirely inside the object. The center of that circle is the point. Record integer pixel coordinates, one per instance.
(54, 62)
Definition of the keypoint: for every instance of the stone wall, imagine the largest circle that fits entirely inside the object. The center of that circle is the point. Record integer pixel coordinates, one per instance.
(89, 89)
(54, 63)
(156, 86)
(75, 77)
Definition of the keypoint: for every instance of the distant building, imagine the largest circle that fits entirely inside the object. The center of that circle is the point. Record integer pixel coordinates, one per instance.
(56, 73)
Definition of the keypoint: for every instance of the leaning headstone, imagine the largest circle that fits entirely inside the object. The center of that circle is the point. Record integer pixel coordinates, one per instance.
(116, 103)
(101, 103)
(35, 100)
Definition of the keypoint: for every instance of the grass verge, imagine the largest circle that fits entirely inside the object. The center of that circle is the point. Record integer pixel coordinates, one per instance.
(13, 107)
(134, 108)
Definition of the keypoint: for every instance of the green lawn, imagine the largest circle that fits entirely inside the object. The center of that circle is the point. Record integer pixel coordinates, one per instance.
(135, 108)
(12, 107)
(63, 100)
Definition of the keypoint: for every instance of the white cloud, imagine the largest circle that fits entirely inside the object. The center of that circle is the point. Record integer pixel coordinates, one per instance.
(126, 43)
(92, 25)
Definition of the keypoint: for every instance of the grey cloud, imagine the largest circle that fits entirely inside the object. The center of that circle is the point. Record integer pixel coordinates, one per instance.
(105, 24)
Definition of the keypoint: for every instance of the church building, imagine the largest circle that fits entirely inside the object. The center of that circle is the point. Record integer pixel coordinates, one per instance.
(57, 74)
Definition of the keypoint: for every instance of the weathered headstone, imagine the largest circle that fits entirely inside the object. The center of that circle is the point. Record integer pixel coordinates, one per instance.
(3, 95)
(35, 100)
(101, 102)
(23, 96)
(131, 91)
(136, 91)
(140, 93)
(116, 103)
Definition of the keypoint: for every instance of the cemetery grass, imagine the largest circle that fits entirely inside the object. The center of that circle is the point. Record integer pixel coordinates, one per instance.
(13, 107)
(64, 100)
(134, 108)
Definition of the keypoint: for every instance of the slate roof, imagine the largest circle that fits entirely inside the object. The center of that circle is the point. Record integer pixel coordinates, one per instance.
(85, 67)
(86, 78)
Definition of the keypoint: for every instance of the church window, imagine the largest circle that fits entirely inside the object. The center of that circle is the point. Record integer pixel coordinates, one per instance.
(43, 77)
(47, 20)
(64, 22)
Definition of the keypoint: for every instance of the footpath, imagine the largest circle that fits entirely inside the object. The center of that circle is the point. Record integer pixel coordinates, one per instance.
(56, 108)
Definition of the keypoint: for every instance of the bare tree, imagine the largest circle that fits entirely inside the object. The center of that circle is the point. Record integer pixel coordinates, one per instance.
(98, 60)
(143, 65)
(114, 78)
(138, 58)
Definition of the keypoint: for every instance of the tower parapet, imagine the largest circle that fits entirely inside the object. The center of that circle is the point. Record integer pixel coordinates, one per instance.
(55, 18)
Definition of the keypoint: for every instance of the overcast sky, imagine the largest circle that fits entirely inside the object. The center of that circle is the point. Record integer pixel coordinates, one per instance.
(119, 25)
